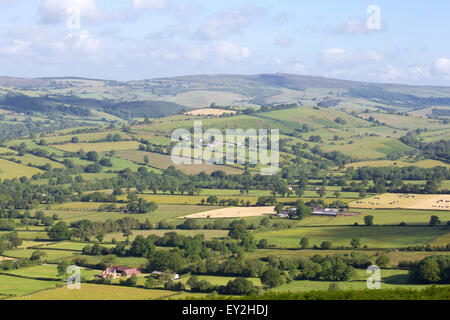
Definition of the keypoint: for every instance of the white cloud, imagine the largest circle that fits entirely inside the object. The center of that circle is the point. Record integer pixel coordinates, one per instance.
(353, 26)
(283, 41)
(442, 66)
(15, 47)
(339, 56)
(230, 50)
(56, 11)
(229, 22)
(335, 55)
(149, 4)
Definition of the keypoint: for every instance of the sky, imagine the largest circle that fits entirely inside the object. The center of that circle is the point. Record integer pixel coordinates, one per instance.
(389, 41)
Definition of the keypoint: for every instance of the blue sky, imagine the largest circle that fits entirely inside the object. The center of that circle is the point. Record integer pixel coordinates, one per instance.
(141, 39)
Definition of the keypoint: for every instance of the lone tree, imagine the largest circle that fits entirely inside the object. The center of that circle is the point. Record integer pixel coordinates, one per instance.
(272, 278)
(326, 245)
(356, 243)
(303, 211)
(383, 261)
(434, 221)
(368, 220)
(304, 242)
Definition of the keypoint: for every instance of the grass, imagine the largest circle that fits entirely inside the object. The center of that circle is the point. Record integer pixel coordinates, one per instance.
(221, 281)
(70, 246)
(29, 159)
(26, 253)
(132, 262)
(209, 234)
(164, 212)
(49, 272)
(99, 147)
(369, 147)
(373, 237)
(101, 292)
(400, 164)
(20, 286)
(11, 170)
(381, 217)
(161, 161)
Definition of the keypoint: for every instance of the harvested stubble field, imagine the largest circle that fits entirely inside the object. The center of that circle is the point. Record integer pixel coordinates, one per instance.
(234, 212)
(209, 112)
(405, 201)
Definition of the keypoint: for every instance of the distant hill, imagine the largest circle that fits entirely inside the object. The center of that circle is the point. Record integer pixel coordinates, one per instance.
(165, 96)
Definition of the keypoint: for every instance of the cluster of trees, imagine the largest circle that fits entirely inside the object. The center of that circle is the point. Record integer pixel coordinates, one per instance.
(434, 269)
(9, 241)
(238, 286)
(405, 173)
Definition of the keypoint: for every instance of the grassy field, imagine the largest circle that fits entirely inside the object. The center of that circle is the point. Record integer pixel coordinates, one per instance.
(405, 201)
(51, 254)
(373, 237)
(11, 170)
(29, 159)
(164, 212)
(99, 147)
(97, 292)
(399, 163)
(209, 234)
(49, 272)
(161, 161)
(369, 147)
(70, 246)
(390, 279)
(381, 217)
(15, 286)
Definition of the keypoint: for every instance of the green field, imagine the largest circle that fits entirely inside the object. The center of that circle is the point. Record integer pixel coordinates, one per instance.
(209, 234)
(26, 253)
(99, 147)
(373, 237)
(49, 272)
(14, 286)
(381, 217)
(162, 162)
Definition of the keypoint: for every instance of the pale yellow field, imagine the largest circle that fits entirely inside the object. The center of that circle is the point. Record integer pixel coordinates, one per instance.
(10, 170)
(100, 292)
(209, 112)
(405, 201)
(234, 212)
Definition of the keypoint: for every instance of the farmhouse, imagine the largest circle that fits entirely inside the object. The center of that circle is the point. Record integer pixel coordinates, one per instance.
(319, 211)
(115, 272)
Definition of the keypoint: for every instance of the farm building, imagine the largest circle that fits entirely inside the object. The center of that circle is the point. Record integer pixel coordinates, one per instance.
(115, 272)
(319, 211)
(287, 213)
